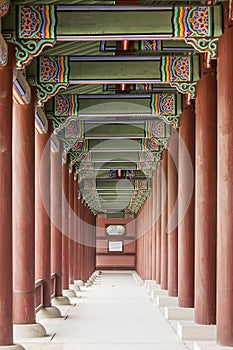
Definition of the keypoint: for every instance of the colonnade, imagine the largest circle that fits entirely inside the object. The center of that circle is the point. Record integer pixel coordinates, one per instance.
(44, 220)
(190, 242)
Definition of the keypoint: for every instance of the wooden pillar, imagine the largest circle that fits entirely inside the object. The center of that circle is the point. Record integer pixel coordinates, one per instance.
(42, 217)
(186, 208)
(225, 190)
(164, 257)
(79, 247)
(6, 322)
(173, 145)
(158, 225)
(84, 242)
(82, 236)
(150, 236)
(206, 196)
(144, 240)
(76, 239)
(65, 225)
(71, 226)
(56, 218)
(153, 216)
(24, 212)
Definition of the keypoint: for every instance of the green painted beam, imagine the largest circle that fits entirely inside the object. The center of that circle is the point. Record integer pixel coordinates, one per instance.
(115, 70)
(115, 184)
(123, 166)
(114, 105)
(103, 145)
(122, 156)
(114, 130)
(79, 23)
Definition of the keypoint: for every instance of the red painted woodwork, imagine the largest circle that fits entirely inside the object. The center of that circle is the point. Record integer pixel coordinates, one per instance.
(225, 190)
(173, 213)
(42, 218)
(186, 210)
(158, 225)
(105, 260)
(56, 219)
(76, 203)
(24, 212)
(79, 247)
(71, 227)
(206, 198)
(6, 322)
(164, 238)
(65, 225)
(153, 226)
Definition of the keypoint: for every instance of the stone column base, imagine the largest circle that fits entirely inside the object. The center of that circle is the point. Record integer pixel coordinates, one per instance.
(75, 287)
(56, 301)
(34, 330)
(188, 330)
(69, 293)
(49, 312)
(79, 283)
(12, 347)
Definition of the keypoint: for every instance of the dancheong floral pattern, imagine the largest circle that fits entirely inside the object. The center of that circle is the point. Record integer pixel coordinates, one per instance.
(164, 104)
(74, 129)
(155, 128)
(176, 68)
(192, 21)
(66, 105)
(37, 22)
(54, 69)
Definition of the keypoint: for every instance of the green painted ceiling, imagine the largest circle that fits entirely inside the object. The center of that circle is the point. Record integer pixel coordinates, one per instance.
(114, 83)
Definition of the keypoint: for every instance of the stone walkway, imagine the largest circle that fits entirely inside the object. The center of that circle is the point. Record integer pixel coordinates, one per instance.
(113, 314)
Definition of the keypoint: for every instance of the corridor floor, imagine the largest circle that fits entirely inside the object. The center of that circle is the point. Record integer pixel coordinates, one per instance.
(114, 314)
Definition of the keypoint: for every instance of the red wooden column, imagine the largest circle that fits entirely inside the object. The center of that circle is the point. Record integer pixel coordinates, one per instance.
(158, 225)
(137, 247)
(149, 236)
(56, 223)
(65, 225)
(186, 208)
(79, 247)
(173, 144)
(86, 243)
(76, 238)
(71, 226)
(153, 216)
(81, 268)
(225, 190)
(206, 196)
(164, 257)
(142, 243)
(146, 235)
(24, 221)
(144, 240)
(6, 321)
(42, 221)
(89, 243)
